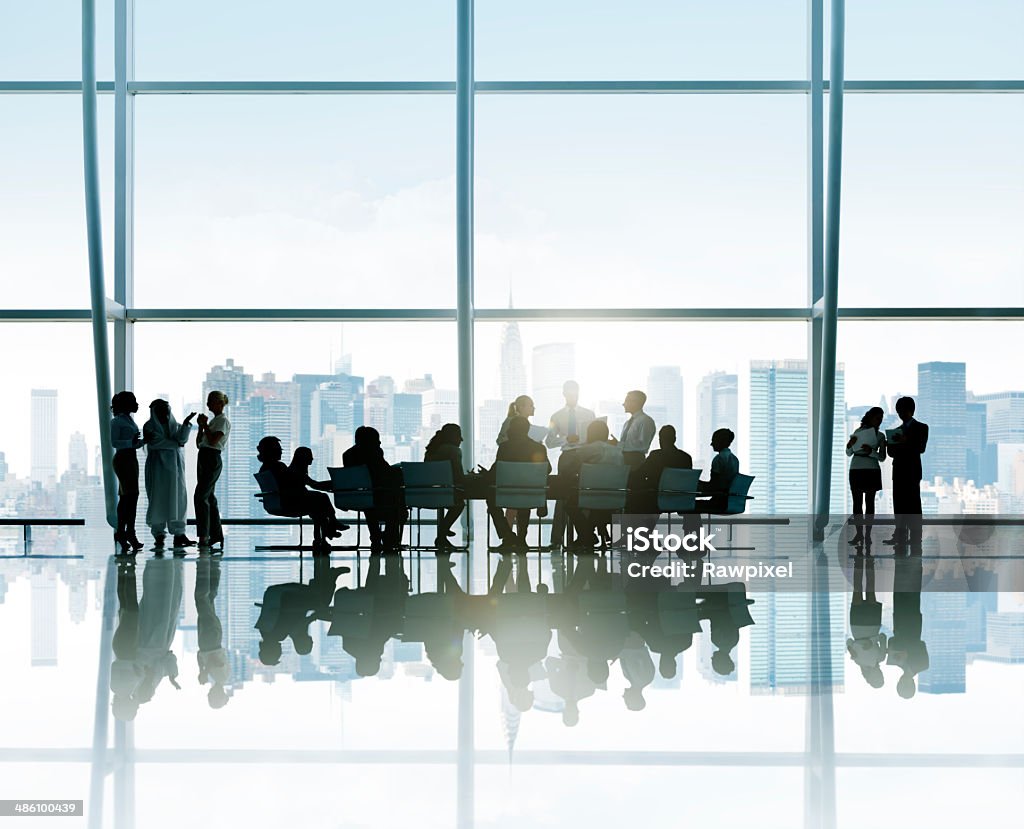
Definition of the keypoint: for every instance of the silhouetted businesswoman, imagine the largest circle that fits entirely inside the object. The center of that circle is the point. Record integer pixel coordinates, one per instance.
(905, 447)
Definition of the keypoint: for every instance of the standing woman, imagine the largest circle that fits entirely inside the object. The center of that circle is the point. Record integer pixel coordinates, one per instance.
(866, 448)
(165, 473)
(126, 439)
(211, 440)
(444, 446)
(522, 406)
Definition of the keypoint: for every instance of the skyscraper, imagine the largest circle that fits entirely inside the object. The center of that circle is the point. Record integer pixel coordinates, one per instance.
(512, 371)
(44, 618)
(944, 630)
(230, 379)
(978, 469)
(1004, 416)
(43, 435)
(780, 429)
(665, 396)
(717, 408)
(942, 404)
(553, 364)
(78, 453)
(440, 406)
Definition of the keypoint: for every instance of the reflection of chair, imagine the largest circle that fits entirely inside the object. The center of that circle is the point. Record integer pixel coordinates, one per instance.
(428, 485)
(353, 491)
(603, 489)
(270, 496)
(519, 485)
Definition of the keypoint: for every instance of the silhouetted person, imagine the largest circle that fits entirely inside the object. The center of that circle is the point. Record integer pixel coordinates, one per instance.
(387, 489)
(159, 609)
(645, 479)
(637, 432)
(126, 439)
(866, 448)
(296, 499)
(566, 429)
(906, 446)
(165, 473)
(867, 647)
(906, 648)
(522, 406)
(724, 469)
(638, 669)
(445, 446)
(518, 448)
(597, 450)
(211, 440)
(125, 671)
(211, 656)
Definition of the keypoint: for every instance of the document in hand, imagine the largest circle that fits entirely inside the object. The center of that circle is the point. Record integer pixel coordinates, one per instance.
(538, 433)
(894, 435)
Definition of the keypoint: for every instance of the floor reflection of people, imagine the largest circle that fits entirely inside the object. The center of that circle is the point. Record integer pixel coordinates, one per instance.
(158, 622)
(725, 608)
(601, 624)
(125, 671)
(867, 645)
(431, 618)
(367, 617)
(638, 669)
(288, 609)
(214, 668)
(906, 648)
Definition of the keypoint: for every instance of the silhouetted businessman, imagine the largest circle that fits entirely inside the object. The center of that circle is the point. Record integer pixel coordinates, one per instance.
(906, 445)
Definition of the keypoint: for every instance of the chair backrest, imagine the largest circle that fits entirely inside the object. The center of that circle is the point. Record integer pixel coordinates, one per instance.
(603, 486)
(677, 488)
(428, 484)
(353, 487)
(270, 496)
(738, 490)
(520, 485)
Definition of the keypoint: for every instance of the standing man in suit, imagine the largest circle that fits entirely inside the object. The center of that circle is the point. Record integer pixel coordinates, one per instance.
(644, 480)
(638, 431)
(905, 448)
(565, 429)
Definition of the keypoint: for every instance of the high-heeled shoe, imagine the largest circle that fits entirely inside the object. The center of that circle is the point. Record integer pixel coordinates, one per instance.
(122, 541)
(136, 545)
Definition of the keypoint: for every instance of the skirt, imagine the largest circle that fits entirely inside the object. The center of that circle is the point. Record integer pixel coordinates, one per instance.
(865, 480)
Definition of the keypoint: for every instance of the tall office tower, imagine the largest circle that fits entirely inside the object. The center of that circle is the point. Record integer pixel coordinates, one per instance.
(490, 416)
(378, 412)
(944, 631)
(665, 397)
(251, 421)
(337, 402)
(512, 371)
(43, 435)
(977, 454)
(1004, 416)
(440, 406)
(942, 404)
(780, 430)
(3, 466)
(717, 408)
(781, 642)
(407, 415)
(308, 384)
(418, 385)
(553, 364)
(230, 379)
(1005, 636)
(78, 453)
(44, 618)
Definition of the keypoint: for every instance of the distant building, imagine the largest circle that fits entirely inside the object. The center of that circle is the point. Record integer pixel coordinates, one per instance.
(717, 408)
(43, 436)
(1005, 633)
(944, 631)
(512, 369)
(78, 453)
(665, 397)
(553, 364)
(942, 404)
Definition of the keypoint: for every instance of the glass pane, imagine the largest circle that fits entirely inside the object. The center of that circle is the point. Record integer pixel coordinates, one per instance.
(310, 40)
(43, 41)
(933, 201)
(934, 39)
(641, 201)
(967, 389)
(648, 40)
(754, 381)
(43, 249)
(295, 201)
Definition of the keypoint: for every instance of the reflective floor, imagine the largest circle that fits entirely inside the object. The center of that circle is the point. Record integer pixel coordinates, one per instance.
(272, 689)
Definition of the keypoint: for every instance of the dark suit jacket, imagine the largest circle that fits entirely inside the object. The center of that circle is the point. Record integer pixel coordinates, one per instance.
(523, 450)
(661, 459)
(387, 479)
(906, 455)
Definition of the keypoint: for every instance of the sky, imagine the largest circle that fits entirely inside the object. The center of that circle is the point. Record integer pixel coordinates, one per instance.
(580, 201)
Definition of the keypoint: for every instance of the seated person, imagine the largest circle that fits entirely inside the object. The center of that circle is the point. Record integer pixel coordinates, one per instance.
(387, 489)
(724, 469)
(444, 446)
(596, 450)
(517, 448)
(646, 478)
(296, 499)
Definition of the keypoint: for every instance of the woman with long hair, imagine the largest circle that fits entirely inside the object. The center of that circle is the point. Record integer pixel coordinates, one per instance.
(866, 449)
(126, 439)
(522, 406)
(444, 446)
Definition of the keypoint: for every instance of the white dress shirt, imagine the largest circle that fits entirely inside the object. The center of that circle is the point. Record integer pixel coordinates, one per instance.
(637, 433)
(560, 426)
